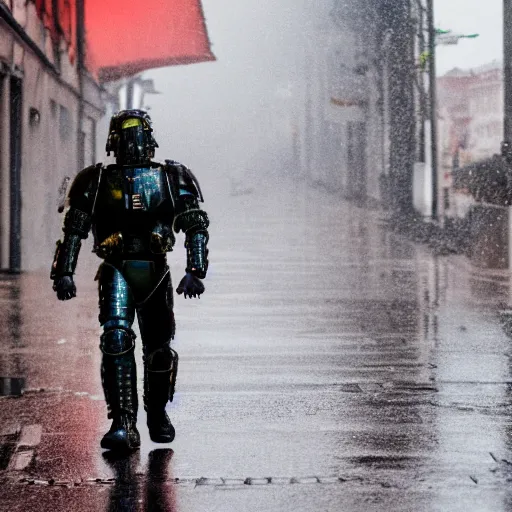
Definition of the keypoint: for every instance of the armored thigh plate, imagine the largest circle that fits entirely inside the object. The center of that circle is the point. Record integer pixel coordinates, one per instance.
(117, 304)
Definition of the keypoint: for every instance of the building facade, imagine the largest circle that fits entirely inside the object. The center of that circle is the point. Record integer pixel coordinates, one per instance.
(49, 108)
(362, 110)
(471, 126)
(342, 142)
(486, 109)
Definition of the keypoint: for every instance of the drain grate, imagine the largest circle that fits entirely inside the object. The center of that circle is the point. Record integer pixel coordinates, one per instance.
(12, 386)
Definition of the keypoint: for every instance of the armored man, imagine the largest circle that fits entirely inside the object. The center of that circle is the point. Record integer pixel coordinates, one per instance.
(133, 208)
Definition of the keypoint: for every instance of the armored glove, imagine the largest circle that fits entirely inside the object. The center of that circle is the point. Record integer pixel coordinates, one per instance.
(190, 285)
(76, 226)
(65, 287)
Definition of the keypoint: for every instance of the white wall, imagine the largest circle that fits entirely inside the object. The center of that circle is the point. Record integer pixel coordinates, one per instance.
(49, 147)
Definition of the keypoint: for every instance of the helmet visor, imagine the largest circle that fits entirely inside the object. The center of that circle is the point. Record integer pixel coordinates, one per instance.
(133, 140)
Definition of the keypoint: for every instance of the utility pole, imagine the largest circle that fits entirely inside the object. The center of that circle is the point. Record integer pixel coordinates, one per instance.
(507, 79)
(433, 101)
(421, 80)
(396, 16)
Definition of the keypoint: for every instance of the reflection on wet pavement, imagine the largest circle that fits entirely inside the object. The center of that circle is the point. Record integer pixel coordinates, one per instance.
(326, 349)
(124, 494)
(132, 490)
(158, 495)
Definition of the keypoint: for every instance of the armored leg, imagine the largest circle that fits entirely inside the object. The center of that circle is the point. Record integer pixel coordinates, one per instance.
(156, 321)
(118, 371)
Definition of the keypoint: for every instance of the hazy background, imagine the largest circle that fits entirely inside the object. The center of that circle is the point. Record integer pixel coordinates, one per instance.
(220, 117)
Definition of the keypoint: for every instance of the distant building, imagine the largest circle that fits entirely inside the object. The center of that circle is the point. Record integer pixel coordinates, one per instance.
(486, 109)
(49, 107)
(471, 124)
(359, 135)
(342, 132)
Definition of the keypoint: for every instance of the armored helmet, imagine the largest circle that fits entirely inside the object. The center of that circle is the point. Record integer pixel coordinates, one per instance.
(130, 137)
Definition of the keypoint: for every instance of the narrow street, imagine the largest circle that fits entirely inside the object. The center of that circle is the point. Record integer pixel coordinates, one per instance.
(331, 365)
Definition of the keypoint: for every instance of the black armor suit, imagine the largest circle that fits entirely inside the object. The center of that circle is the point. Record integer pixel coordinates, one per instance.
(133, 207)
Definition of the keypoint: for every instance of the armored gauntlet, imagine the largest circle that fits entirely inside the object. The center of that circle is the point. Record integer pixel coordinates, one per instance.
(76, 228)
(197, 253)
(194, 223)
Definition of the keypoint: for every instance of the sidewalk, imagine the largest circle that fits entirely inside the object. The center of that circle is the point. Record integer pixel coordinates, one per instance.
(331, 365)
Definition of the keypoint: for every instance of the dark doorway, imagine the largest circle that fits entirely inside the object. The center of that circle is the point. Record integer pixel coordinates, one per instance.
(15, 174)
(356, 159)
(3, 235)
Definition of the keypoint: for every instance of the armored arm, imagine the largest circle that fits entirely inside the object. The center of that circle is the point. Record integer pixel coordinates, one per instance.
(76, 227)
(193, 221)
(77, 223)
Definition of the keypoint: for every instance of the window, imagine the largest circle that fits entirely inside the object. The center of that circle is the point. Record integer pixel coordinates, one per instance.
(65, 124)
(446, 198)
(53, 109)
(89, 140)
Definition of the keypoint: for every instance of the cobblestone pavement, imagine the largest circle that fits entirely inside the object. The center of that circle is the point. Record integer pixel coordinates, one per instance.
(330, 365)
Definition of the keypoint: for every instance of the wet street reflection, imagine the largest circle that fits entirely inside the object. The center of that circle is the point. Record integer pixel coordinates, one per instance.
(159, 495)
(135, 491)
(124, 495)
(393, 428)
(12, 369)
(332, 349)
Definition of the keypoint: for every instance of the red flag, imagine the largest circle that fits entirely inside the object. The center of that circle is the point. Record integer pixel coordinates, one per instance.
(45, 12)
(125, 38)
(65, 20)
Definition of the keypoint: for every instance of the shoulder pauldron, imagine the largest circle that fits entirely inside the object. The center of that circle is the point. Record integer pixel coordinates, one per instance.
(82, 194)
(184, 179)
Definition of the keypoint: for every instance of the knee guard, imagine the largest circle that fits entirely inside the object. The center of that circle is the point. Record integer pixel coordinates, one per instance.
(162, 359)
(117, 341)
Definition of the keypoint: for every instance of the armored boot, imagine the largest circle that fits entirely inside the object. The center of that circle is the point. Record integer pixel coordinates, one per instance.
(118, 373)
(123, 434)
(158, 390)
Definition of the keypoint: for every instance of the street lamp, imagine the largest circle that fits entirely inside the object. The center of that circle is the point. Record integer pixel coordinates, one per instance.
(447, 37)
(131, 91)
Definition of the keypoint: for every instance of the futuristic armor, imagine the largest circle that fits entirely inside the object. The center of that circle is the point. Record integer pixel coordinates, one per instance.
(133, 207)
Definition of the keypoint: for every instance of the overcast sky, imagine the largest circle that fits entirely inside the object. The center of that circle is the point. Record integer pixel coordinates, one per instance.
(216, 113)
(484, 17)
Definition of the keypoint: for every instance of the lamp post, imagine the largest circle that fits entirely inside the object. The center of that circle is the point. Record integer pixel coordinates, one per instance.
(132, 91)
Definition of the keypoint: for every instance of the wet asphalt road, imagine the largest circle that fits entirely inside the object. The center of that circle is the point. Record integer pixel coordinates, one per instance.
(330, 366)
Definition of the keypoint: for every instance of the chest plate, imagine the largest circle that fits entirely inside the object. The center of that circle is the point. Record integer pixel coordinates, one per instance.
(134, 212)
(137, 189)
